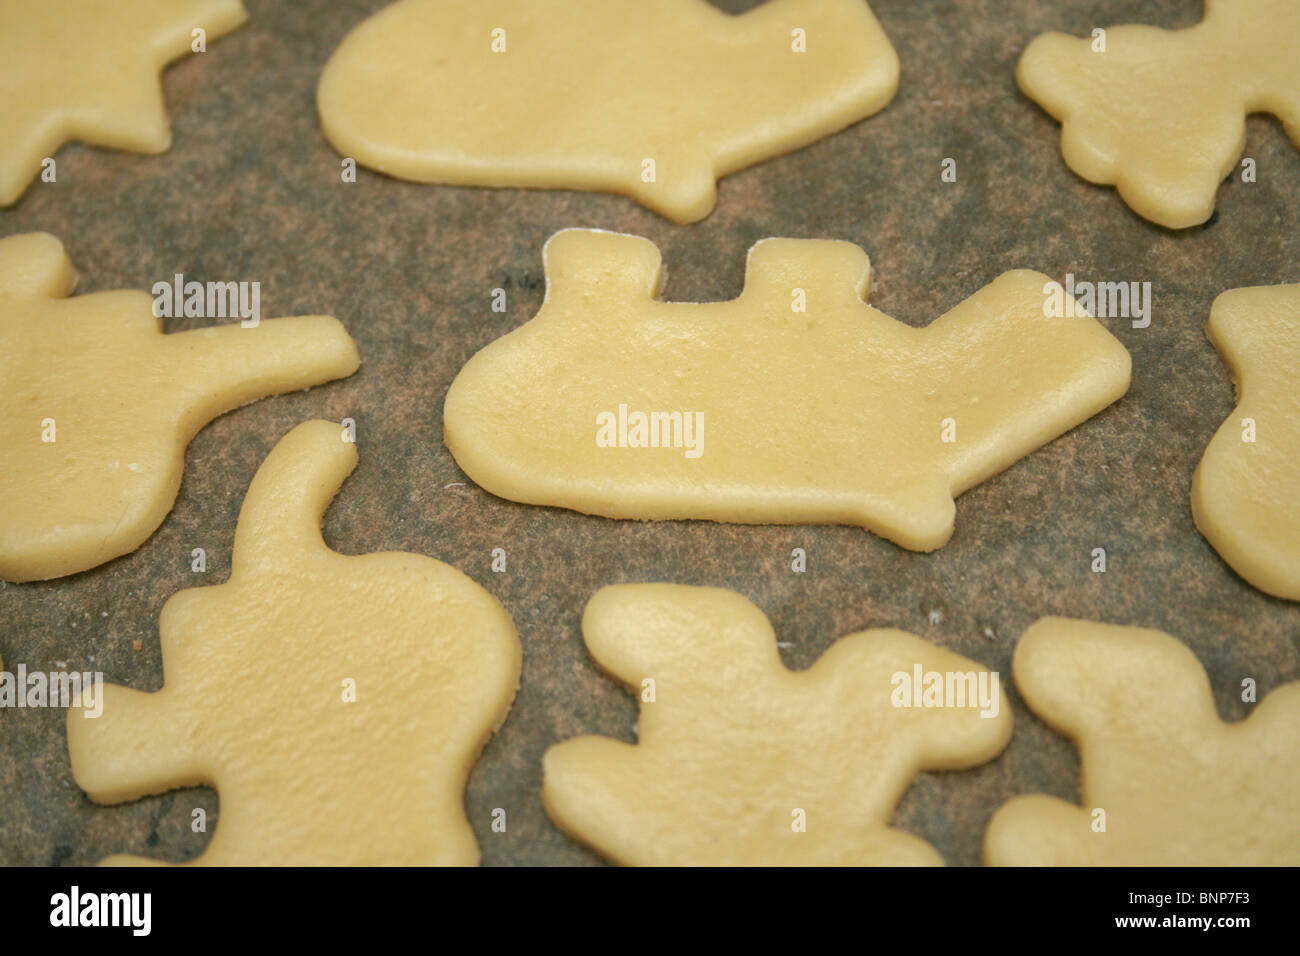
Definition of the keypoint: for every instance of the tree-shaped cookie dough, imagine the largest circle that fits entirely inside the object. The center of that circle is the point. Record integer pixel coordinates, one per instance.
(88, 70)
(742, 761)
(1246, 490)
(97, 405)
(795, 403)
(1161, 114)
(337, 703)
(1163, 780)
(651, 100)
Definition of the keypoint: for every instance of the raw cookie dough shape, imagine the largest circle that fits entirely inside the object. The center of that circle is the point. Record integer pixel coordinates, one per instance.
(1161, 113)
(88, 70)
(734, 743)
(1246, 494)
(587, 90)
(834, 415)
(121, 402)
(253, 700)
(1179, 786)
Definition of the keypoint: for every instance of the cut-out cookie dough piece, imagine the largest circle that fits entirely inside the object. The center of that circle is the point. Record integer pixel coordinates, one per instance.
(795, 403)
(655, 101)
(97, 405)
(1246, 490)
(336, 703)
(1172, 784)
(1160, 114)
(744, 762)
(88, 70)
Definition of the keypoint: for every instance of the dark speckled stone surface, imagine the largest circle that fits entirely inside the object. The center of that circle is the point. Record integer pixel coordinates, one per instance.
(251, 190)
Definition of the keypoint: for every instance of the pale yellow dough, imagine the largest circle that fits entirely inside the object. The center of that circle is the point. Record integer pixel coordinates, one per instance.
(586, 91)
(257, 670)
(735, 745)
(120, 401)
(836, 414)
(1161, 113)
(1246, 494)
(1179, 787)
(88, 70)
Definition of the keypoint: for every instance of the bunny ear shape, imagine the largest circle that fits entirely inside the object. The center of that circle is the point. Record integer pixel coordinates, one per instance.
(677, 632)
(34, 265)
(888, 674)
(229, 366)
(279, 524)
(175, 23)
(580, 261)
(832, 273)
(1089, 680)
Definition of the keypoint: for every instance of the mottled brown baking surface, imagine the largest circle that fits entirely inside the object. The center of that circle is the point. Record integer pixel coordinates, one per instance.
(251, 191)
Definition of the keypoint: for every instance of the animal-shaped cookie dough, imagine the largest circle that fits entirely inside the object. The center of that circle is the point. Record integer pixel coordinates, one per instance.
(1246, 490)
(742, 761)
(97, 405)
(651, 100)
(1161, 114)
(88, 70)
(795, 403)
(336, 703)
(1163, 781)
